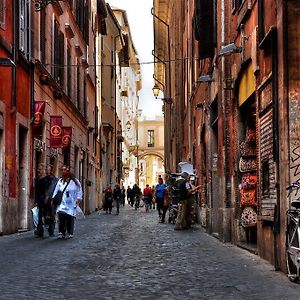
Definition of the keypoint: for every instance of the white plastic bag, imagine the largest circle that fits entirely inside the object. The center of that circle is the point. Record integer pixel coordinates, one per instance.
(35, 214)
(79, 213)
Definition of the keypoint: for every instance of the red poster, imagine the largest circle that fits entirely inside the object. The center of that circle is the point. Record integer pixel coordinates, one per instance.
(39, 109)
(55, 131)
(66, 138)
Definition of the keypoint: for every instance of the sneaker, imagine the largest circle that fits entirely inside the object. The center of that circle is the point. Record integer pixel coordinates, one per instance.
(60, 236)
(69, 236)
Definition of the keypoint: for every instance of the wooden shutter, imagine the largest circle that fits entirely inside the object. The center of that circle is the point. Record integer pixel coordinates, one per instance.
(22, 25)
(43, 35)
(61, 57)
(2, 13)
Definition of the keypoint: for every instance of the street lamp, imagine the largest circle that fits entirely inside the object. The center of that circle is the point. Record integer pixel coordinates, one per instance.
(156, 91)
(229, 49)
(128, 125)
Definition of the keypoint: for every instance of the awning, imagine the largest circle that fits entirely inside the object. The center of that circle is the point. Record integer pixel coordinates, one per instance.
(247, 85)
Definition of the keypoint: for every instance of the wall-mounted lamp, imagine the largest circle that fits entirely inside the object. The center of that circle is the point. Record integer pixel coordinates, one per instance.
(205, 78)
(6, 62)
(229, 49)
(128, 125)
(41, 4)
(156, 91)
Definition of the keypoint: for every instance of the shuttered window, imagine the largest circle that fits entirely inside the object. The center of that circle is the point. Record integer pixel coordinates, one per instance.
(2, 13)
(58, 52)
(43, 35)
(24, 27)
(204, 26)
(69, 73)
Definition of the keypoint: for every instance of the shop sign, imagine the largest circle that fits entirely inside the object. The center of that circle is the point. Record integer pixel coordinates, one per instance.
(55, 131)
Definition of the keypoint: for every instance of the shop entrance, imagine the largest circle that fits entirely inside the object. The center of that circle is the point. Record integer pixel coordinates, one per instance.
(247, 173)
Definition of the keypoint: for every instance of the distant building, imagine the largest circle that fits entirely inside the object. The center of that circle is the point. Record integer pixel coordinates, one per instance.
(151, 149)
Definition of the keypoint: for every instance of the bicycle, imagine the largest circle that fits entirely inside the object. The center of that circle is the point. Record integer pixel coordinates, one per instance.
(293, 236)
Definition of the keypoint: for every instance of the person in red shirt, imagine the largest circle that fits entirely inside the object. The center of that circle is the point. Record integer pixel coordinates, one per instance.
(147, 193)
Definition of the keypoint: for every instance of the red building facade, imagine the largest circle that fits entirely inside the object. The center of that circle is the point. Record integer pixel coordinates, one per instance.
(235, 98)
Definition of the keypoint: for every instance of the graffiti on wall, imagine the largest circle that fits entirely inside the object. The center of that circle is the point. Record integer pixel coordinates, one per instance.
(294, 125)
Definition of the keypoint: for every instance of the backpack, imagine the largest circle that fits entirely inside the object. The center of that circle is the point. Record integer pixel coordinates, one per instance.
(179, 191)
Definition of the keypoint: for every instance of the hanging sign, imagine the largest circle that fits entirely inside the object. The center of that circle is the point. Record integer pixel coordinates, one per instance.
(55, 131)
(66, 139)
(39, 109)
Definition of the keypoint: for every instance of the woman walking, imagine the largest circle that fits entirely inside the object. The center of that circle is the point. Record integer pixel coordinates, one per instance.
(71, 190)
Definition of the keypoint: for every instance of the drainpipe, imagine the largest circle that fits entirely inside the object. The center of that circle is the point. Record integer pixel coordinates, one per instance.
(14, 56)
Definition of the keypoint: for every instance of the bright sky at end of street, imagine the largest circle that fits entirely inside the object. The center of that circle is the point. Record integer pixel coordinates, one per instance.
(141, 27)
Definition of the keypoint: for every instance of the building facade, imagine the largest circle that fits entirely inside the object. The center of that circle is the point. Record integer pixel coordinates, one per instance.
(151, 150)
(238, 97)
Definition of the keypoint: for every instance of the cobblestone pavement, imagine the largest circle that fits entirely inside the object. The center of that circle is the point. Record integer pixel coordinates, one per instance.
(132, 256)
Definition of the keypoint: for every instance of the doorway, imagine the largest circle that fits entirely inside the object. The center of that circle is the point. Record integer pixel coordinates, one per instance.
(22, 177)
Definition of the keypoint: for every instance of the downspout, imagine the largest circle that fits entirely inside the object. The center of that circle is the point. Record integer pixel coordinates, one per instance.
(189, 77)
(14, 56)
(276, 226)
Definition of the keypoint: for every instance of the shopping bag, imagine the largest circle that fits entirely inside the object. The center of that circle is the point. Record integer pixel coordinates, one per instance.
(79, 213)
(35, 214)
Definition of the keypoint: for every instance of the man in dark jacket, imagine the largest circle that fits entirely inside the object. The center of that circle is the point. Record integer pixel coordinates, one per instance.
(117, 195)
(44, 187)
(185, 192)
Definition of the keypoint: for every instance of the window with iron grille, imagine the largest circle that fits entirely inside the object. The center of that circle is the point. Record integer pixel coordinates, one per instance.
(2, 13)
(150, 138)
(24, 27)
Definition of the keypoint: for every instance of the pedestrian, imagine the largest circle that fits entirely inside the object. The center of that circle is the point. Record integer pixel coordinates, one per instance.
(123, 195)
(159, 195)
(71, 197)
(136, 194)
(186, 198)
(153, 193)
(108, 200)
(128, 194)
(49, 208)
(39, 195)
(117, 196)
(147, 193)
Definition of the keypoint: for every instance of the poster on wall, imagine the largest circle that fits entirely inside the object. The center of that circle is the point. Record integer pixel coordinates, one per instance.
(55, 131)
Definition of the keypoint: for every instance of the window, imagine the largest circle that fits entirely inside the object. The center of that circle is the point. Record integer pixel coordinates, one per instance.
(2, 13)
(58, 55)
(69, 73)
(24, 27)
(150, 138)
(43, 35)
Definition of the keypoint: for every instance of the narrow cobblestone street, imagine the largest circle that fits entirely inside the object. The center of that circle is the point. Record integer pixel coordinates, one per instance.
(131, 256)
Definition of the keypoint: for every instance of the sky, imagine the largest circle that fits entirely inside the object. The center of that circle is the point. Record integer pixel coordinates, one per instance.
(141, 27)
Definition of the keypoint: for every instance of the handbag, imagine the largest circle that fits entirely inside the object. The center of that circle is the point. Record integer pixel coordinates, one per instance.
(248, 198)
(58, 197)
(249, 217)
(249, 181)
(247, 164)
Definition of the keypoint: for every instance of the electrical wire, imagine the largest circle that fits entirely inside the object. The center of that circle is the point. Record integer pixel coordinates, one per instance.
(117, 65)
